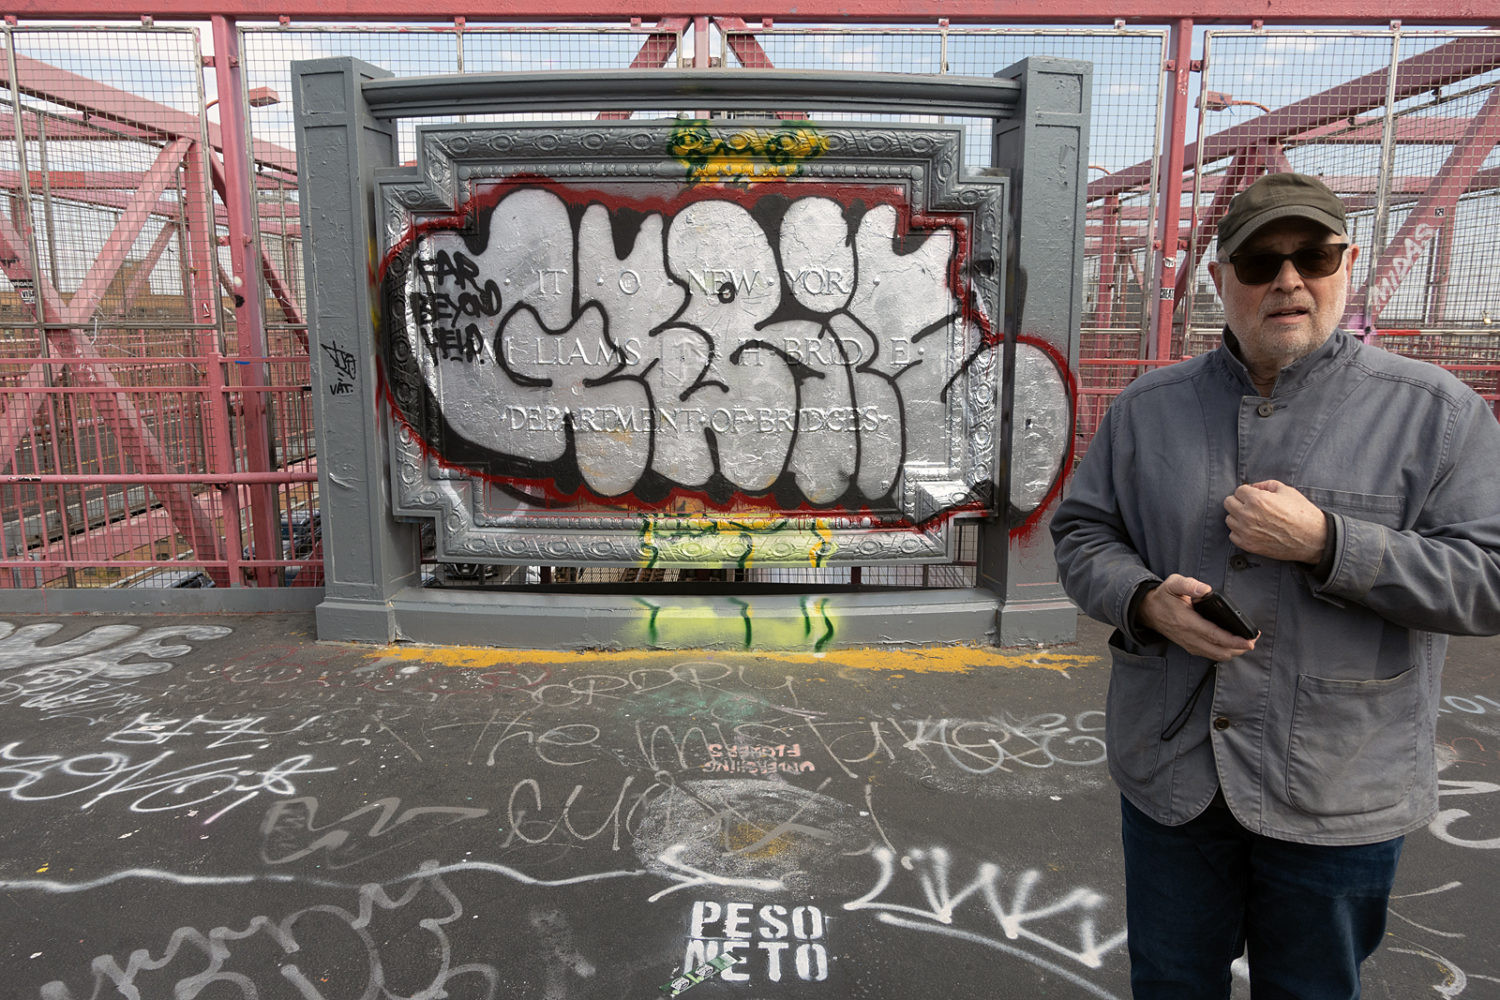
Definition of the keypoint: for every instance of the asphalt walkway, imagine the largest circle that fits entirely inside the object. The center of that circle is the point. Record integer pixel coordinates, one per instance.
(221, 807)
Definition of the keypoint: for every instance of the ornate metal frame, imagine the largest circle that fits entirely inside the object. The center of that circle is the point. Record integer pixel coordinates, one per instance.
(475, 523)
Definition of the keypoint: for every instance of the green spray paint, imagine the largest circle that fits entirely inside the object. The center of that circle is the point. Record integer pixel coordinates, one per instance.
(822, 612)
(745, 614)
(651, 633)
(736, 623)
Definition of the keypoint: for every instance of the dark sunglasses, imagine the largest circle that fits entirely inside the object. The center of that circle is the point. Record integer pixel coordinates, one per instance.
(1262, 267)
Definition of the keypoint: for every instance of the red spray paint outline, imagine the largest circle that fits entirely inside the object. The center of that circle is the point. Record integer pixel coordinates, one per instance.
(873, 194)
(1027, 529)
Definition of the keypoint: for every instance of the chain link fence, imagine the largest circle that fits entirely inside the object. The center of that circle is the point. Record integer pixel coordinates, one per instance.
(1412, 153)
(125, 387)
(122, 431)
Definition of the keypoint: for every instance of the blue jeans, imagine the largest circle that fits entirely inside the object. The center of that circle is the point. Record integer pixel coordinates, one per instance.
(1197, 895)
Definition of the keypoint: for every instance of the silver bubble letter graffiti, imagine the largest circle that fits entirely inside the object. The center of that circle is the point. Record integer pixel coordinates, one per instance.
(648, 345)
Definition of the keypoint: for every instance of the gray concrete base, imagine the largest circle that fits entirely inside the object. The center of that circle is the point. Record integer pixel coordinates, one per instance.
(1040, 622)
(356, 621)
(812, 622)
(131, 600)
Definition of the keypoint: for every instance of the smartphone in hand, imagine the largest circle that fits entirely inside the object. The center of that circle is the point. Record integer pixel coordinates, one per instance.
(1221, 611)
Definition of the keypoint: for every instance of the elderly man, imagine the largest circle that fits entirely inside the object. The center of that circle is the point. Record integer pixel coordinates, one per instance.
(1347, 501)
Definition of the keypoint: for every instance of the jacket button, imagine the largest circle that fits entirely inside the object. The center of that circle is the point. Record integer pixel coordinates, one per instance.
(1265, 409)
(1239, 561)
(1221, 723)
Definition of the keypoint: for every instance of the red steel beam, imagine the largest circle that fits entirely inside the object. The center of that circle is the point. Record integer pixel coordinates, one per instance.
(660, 44)
(1109, 263)
(272, 219)
(1442, 267)
(114, 404)
(1164, 280)
(60, 128)
(655, 51)
(74, 180)
(140, 279)
(747, 49)
(238, 187)
(1243, 169)
(117, 199)
(83, 180)
(744, 45)
(1410, 131)
(159, 177)
(1357, 192)
(702, 58)
(200, 249)
(51, 83)
(1438, 67)
(290, 309)
(803, 11)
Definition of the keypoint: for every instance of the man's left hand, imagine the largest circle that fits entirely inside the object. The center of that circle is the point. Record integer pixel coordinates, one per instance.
(1272, 519)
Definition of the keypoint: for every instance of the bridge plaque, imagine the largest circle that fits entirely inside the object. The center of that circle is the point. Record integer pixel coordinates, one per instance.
(693, 343)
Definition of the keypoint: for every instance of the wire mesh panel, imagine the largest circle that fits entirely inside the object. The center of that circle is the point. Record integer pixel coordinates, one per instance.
(1433, 248)
(267, 54)
(1408, 154)
(853, 49)
(878, 50)
(117, 438)
(110, 232)
(110, 220)
(1124, 134)
(520, 49)
(103, 122)
(1313, 102)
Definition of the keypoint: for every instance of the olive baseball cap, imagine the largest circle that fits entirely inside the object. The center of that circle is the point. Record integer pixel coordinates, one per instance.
(1279, 196)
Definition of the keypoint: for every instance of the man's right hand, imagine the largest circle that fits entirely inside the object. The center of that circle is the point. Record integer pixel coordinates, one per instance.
(1169, 610)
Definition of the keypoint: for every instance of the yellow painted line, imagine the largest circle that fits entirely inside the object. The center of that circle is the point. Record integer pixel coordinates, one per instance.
(931, 660)
(943, 659)
(485, 657)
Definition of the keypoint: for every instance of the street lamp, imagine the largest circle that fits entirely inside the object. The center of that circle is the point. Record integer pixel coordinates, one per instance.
(256, 97)
(1217, 100)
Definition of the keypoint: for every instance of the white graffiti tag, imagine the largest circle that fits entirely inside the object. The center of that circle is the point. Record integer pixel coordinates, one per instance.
(1019, 917)
(1442, 823)
(202, 959)
(102, 651)
(148, 785)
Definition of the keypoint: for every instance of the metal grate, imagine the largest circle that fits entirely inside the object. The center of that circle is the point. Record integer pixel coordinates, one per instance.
(128, 409)
(1274, 101)
(267, 54)
(114, 403)
(962, 572)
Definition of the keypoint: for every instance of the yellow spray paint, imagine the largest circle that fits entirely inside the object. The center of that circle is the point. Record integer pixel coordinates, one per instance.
(732, 623)
(927, 660)
(746, 156)
(741, 542)
(825, 546)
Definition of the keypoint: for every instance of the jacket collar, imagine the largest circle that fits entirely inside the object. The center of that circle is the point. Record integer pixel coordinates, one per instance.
(1305, 371)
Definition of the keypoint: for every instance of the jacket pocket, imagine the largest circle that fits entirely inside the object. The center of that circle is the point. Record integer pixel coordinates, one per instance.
(1353, 745)
(1380, 508)
(1135, 710)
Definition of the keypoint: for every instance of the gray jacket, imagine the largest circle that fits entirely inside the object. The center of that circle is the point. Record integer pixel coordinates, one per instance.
(1324, 733)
